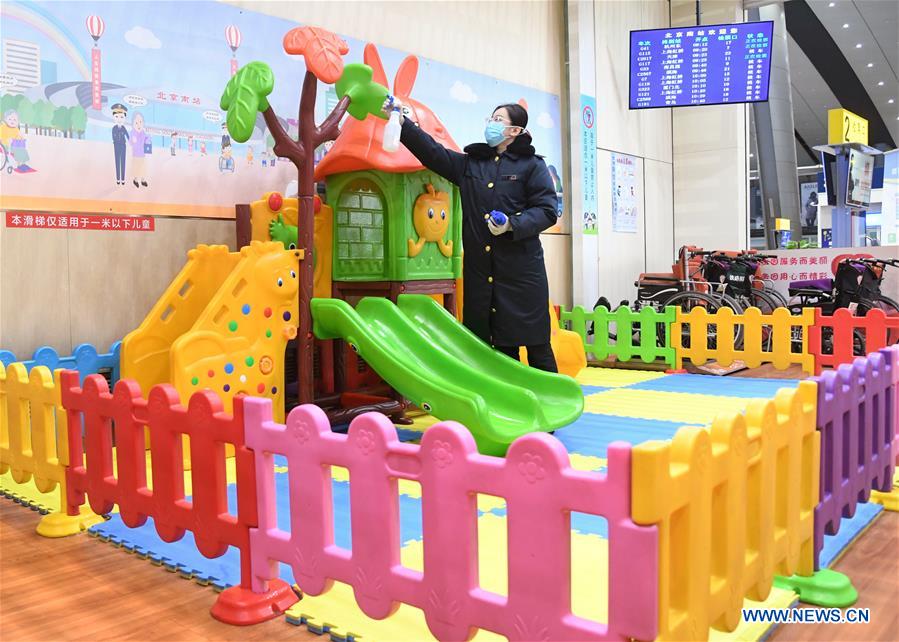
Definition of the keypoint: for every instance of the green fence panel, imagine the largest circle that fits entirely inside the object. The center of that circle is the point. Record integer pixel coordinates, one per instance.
(614, 333)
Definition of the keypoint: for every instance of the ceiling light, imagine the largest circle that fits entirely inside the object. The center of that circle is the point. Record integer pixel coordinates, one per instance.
(870, 64)
(880, 84)
(858, 45)
(831, 4)
(890, 101)
(845, 25)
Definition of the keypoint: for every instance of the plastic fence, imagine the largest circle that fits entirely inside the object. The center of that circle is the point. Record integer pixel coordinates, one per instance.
(123, 416)
(734, 507)
(857, 422)
(540, 489)
(767, 338)
(33, 439)
(85, 359)
(651, 328)
(838, 339)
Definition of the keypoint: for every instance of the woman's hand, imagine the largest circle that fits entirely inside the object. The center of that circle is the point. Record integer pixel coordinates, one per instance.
(389, 105)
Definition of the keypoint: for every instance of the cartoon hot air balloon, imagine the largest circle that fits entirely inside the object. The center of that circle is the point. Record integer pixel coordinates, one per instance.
(96, 27)
(232, 37)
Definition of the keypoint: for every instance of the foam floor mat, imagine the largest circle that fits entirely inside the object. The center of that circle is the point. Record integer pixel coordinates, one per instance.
(706, 385)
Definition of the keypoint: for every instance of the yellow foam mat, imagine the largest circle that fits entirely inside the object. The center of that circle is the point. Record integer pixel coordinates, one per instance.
(665, 406)
(28, 494)
(615, 377)
(337, 608)
(420, 423)
(587, 462)
(753, 631)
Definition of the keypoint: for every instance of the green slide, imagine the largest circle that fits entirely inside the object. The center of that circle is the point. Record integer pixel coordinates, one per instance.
(431, 359)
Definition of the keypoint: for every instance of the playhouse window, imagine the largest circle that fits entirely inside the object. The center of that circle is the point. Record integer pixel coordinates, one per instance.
(360, 232)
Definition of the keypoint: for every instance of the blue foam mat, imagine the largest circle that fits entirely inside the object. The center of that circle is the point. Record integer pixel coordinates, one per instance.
(183, 556)
(720, 386)
(850, 528)
(592, 390)
(592, 433)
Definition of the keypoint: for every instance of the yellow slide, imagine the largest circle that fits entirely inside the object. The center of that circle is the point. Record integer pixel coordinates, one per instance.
(222, 324)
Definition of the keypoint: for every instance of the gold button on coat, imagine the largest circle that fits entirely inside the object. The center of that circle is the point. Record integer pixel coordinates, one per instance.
(489, 184)
(487, 248)
(489, 279)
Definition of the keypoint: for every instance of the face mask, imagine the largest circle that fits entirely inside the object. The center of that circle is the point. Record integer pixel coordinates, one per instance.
(493, 133)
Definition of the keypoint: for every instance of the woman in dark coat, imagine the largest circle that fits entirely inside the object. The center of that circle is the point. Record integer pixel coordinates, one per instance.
(506, 295)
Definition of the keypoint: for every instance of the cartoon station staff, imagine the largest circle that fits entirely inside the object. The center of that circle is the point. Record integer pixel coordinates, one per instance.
(119, 140)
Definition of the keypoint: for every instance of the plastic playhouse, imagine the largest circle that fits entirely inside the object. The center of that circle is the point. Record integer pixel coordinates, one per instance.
(305, 424)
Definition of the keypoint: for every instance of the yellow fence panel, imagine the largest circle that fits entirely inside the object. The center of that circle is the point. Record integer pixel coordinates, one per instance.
(766, 338)
(734, 506)
(34, 440)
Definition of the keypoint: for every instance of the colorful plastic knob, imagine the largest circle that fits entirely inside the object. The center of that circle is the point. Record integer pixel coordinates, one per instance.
(275, 201)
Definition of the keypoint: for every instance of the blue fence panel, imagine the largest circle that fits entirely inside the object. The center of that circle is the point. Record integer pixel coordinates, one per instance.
(85, 359)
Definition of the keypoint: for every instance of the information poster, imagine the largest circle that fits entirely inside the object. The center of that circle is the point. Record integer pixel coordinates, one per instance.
(624, 194)
(861, 173)
(588, 164)
(808, 194)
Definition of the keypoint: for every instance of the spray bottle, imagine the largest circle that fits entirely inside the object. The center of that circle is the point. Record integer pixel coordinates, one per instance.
(391, 141)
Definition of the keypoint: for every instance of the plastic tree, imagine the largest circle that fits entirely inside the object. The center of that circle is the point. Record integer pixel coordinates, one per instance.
(246, 94)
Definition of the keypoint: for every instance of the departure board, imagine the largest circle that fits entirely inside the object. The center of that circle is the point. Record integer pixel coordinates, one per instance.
(705, 65)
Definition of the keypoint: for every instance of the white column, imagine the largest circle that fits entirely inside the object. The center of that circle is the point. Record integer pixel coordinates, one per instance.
(582, 118)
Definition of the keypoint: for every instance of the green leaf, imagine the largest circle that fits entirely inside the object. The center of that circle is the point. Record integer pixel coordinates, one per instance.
(244, 95)
(366, 96)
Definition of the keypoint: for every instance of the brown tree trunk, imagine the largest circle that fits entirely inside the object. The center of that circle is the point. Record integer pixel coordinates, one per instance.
(305, 231)
(301, 153)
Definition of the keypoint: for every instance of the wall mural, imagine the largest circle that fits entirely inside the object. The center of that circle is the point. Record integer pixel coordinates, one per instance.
(114, 107)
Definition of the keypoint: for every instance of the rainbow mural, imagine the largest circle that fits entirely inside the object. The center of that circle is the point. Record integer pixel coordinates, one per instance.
(45, 22)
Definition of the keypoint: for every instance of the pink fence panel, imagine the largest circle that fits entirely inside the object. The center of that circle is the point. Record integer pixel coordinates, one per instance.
(540, 489)
(857, 419)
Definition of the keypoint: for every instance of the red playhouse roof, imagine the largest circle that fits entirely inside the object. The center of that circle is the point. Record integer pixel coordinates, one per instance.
(359, 145)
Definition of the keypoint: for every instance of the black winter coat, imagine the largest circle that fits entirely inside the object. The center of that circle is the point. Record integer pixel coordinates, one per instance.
(506, 294)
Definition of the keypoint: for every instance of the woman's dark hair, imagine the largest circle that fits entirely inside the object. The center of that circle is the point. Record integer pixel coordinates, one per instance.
(518, 116)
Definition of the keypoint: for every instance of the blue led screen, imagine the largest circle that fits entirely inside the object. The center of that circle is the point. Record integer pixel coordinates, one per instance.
(705, 65)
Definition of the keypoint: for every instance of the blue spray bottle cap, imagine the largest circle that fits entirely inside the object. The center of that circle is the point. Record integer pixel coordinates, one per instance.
(498, 218)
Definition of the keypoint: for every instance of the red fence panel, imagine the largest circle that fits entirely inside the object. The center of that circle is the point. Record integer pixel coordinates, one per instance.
(117, 474)
(838, 339)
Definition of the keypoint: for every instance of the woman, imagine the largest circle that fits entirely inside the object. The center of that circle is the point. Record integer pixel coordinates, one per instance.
(14, 142)
(506, 295)
(138, 141)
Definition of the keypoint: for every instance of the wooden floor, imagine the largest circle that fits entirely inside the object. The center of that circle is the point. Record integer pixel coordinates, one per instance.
(872, 563)
(50, 590)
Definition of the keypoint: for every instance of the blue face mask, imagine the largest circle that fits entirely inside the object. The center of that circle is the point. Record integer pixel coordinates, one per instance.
(493, 133)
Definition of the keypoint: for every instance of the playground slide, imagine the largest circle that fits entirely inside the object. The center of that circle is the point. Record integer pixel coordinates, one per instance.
(435, 362)
(222, 325)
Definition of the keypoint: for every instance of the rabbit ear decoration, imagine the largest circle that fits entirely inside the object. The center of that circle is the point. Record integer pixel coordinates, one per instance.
(523, 103)
(405, 76)
(371, 58)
